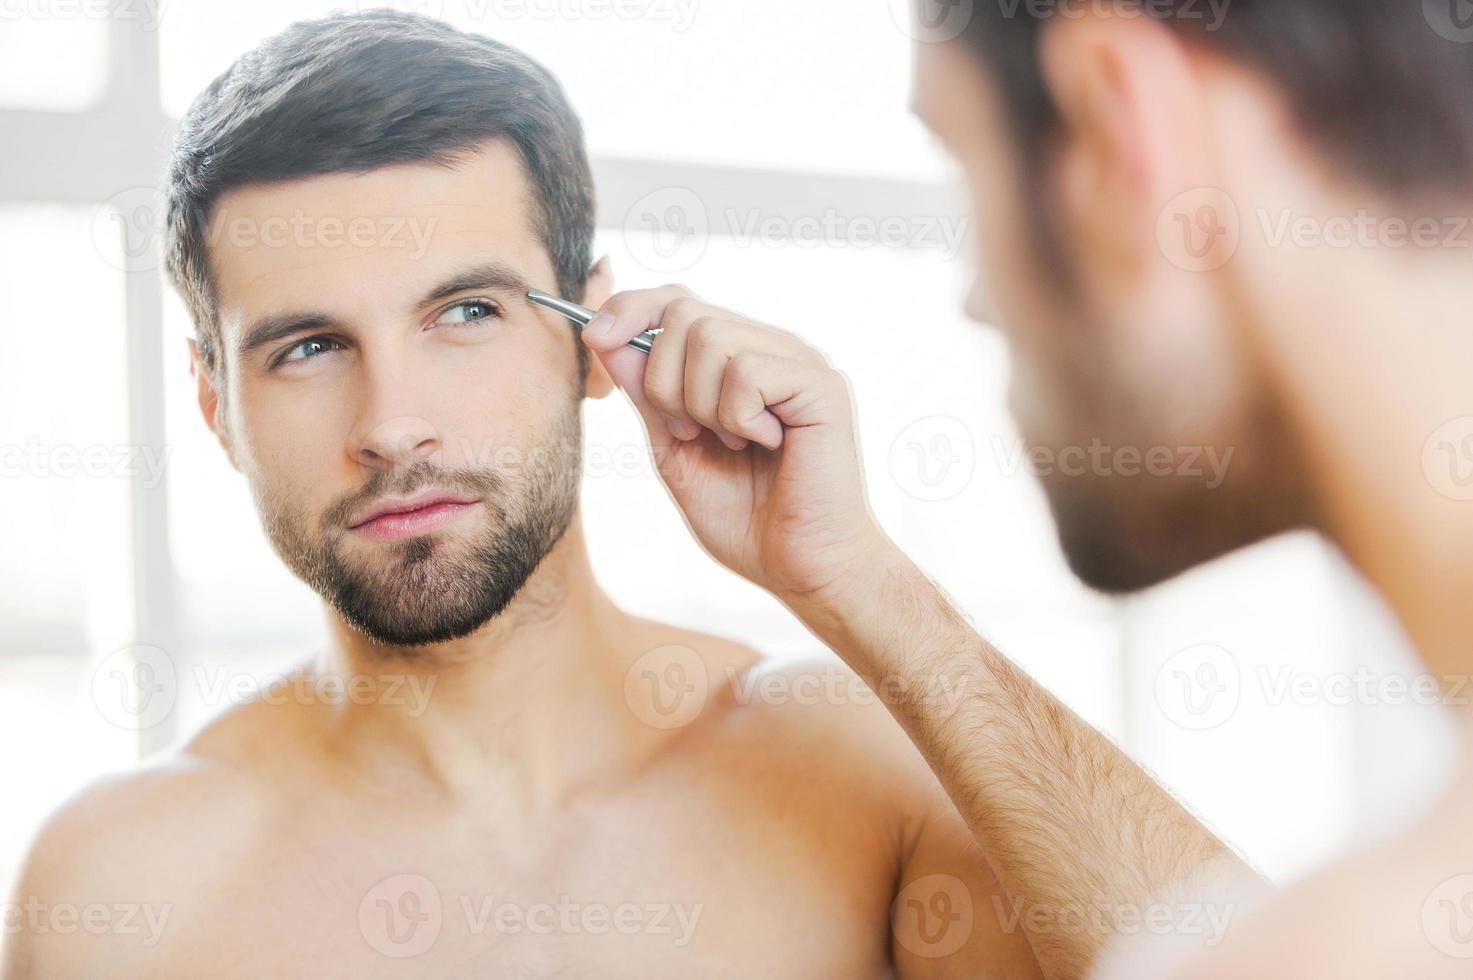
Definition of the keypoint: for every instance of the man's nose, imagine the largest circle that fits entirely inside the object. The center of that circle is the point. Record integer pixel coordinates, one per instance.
(392, 433)
(397, 442)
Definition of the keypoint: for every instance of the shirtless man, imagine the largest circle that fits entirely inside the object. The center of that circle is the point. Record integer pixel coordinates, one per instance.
(1237, 226)
(564, 801)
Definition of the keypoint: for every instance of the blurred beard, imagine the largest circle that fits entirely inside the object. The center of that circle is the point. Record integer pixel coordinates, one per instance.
(435, 587)
(1121, 536)
(1124, 532)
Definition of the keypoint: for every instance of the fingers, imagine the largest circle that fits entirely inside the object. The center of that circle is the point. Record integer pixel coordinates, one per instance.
(664, 380)
(750, 383)
(766, 398)
(626, 366)
(712, 346)
(628, 314)
(707, 366)
(684, 378)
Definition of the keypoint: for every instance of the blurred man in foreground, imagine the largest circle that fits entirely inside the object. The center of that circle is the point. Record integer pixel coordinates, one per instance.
(1244, 229)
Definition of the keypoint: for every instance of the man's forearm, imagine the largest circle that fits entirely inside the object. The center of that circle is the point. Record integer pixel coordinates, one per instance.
(1080, 836)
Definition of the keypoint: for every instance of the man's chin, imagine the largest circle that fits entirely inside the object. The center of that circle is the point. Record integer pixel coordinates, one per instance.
(389, 617)
(1112, 567)
(421, 592)
(409, 635)
(1117, 541)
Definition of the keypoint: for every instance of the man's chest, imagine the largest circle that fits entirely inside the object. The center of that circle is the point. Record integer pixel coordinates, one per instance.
(612, 897)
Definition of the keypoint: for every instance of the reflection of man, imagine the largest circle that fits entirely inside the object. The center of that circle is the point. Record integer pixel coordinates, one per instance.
(1248, 234)
(577, 791)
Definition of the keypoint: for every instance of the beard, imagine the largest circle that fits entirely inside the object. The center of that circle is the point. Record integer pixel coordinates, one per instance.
(1121, 535)
(434, 588)
(1230, 483)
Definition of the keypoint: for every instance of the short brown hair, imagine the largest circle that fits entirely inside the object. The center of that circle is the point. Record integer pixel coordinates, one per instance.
(352, 92)
(1381, 85)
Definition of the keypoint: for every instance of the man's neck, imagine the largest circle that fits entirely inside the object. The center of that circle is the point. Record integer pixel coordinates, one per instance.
(1374, 390)
(516, 716)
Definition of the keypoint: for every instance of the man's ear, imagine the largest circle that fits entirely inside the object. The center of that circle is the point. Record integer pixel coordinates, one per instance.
(596, 291)
(209, 401)
(1135, 134)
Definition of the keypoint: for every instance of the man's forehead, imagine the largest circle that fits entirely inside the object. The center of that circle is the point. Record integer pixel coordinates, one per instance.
(304, 233)
(337, 237)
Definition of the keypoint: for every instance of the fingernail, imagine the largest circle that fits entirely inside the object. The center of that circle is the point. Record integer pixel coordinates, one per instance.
(598, 328)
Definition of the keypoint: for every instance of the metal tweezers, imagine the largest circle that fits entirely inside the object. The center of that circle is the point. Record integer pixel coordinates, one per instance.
(582, 314)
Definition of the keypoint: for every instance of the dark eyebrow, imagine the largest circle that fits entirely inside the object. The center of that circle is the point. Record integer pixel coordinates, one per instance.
(489, 276)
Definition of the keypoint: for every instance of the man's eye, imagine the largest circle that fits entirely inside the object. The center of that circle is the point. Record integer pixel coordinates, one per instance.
(470, 311)
(311, 346)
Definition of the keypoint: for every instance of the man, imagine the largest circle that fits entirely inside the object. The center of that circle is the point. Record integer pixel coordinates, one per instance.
(1249, 232)
(357, 209)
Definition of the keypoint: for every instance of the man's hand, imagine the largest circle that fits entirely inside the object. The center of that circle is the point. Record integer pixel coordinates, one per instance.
(753, 433)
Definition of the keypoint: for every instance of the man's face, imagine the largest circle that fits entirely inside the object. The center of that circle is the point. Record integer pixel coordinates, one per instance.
(1145, 419)
(377, 346)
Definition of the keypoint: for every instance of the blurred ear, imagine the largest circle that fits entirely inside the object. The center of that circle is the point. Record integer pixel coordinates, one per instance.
(596, 292)
(1135, 134)
(209, 400)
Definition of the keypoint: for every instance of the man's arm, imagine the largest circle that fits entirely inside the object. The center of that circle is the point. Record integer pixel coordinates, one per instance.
(771, 487)
(1085, 841)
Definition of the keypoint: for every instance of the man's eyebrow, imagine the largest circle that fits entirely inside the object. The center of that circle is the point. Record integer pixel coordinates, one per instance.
(490, 276)
(268, 330)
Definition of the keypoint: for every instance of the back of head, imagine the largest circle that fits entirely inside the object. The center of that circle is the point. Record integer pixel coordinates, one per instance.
(1126, 157)
(1380, 87)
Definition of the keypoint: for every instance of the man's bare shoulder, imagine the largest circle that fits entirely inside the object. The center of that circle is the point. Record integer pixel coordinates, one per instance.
(152, 823)
(809, 751)
(797, 726)
(135, 850)
(128, 823)
(1403, 908)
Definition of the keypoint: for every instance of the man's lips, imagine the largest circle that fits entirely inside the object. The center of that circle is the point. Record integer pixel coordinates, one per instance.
(422, 514)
